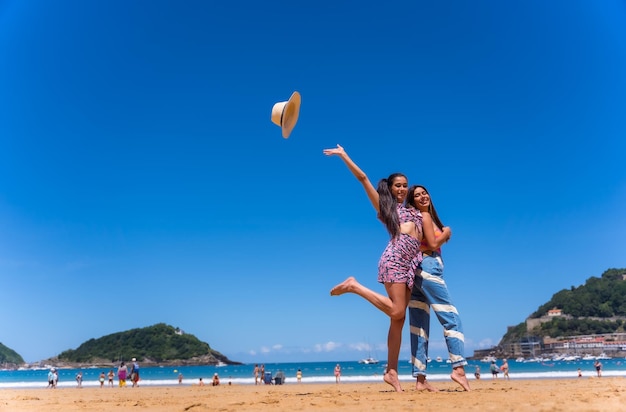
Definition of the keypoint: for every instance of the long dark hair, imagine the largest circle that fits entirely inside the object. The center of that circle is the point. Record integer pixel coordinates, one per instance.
(410, 200)
(388, 205)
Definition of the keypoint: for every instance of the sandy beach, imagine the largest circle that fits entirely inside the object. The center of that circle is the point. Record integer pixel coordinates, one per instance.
(586, 394)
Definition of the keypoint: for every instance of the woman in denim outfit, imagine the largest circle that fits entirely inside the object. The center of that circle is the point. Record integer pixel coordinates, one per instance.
(431, 292)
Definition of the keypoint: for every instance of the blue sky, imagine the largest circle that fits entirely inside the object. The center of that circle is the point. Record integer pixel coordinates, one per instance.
(142, 181)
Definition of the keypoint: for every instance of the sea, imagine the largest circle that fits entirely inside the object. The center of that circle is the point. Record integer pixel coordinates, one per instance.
(312, 372)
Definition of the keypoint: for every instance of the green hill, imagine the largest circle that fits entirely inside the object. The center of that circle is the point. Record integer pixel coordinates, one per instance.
(597, 307)
(9, 356)
(602, 297)
(160, 344)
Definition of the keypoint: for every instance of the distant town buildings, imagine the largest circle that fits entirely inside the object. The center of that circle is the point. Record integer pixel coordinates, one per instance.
(597, 345)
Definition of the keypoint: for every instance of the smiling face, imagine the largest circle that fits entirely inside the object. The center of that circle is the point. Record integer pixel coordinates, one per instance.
(421, 199)
(399, 187)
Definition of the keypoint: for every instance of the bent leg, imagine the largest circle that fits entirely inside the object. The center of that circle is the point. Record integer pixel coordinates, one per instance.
(383, 303)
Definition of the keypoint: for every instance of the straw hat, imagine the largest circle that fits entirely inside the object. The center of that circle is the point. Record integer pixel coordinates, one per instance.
(285, 114)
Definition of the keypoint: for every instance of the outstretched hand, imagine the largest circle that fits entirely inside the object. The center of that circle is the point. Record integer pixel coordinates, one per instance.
(335, 151)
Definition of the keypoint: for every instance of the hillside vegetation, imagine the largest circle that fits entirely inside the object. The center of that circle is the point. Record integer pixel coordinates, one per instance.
(160, 343)
(602, 297)
(597, 307)
(9, 356)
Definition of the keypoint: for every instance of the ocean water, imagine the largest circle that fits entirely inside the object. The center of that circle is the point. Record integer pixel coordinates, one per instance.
(312, 372)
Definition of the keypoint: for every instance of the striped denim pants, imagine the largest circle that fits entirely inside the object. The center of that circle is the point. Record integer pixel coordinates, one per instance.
(430, 291)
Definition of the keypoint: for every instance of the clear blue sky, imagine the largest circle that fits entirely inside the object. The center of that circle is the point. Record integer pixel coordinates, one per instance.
(142, 181)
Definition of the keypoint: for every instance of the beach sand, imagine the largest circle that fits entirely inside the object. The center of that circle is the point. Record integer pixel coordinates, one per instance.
(585, 394)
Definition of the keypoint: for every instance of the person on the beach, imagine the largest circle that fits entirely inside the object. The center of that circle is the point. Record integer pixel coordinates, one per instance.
(216, 379)
(56, 378)
(79, 379)
(201, 382)
(51, 378)
(495, 370)
(598, 367)
(134, 373)
(505, 369)
(580, 373)
(337, 373)
(101, 379)
(431, 292)
(180, 378)
(262, 372)
(477, 372)
(396, 265)
(122, 371)
(299, 375)
(111, 375)
(256, 374)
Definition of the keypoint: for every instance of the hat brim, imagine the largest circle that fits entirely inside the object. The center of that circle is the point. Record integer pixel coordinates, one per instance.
(291, 112)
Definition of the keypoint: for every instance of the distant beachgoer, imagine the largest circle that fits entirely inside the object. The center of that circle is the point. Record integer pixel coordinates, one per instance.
(134, 373)
(280, 378)
(180, 378)
(122, 371)
(56, 378)
(216, 379)
(299, 375)
(111, 375)
(430, 292)
(598, 367)
(102, 379)
(51, 379)
(580, 373)
(505, 368)
(337, 373)
(477, 372)
(495, 370)
(79, 379)
(201, 382)
(256, 374)
(396, 265)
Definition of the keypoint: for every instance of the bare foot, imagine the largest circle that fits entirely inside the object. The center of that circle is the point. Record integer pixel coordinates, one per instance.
(344, 287)
(458, 375)
(391, 377)
(423, 385)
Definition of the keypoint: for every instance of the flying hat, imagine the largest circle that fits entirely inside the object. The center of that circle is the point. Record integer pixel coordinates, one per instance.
(285, 114)
(133, 360)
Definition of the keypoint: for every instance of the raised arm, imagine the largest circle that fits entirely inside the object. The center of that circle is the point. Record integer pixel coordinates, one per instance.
(429, 232)
(370, 190)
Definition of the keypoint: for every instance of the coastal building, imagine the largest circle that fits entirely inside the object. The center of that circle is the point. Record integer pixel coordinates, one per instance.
(611, 345)
(554, 312)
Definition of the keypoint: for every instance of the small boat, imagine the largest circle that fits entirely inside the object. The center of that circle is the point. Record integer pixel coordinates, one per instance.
(369, 361)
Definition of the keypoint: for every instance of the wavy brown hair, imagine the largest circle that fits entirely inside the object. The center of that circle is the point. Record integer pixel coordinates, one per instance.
(410, 200)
